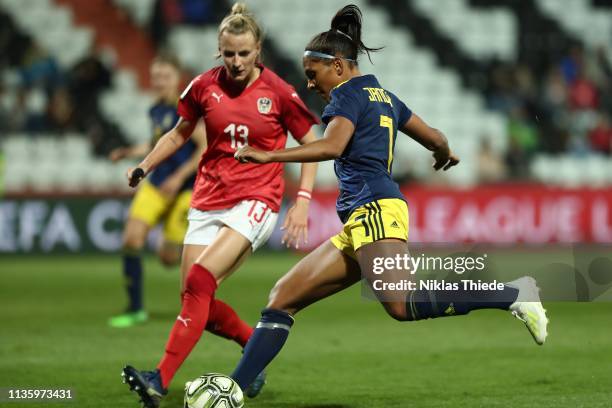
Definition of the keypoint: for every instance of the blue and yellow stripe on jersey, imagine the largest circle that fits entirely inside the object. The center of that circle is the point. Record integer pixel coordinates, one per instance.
(364, 168)
(371, 222)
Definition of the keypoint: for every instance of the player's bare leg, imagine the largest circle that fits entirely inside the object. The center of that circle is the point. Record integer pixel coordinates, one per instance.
(223, 320)
(321, 273)
(169, 253)
(135, 234)
(212, 265)
(134, 237)
(394, 302)
(519, 297)
(225, 253)
(188, 258)
(202, 268)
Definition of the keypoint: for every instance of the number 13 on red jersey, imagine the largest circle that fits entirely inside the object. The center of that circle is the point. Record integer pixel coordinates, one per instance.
(239, 135)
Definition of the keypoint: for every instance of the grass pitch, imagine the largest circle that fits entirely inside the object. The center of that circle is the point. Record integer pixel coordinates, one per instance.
(343, 352)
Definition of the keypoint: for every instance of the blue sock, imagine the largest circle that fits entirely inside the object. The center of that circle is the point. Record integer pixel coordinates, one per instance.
(265, 343)
(132, 270)
(429, 304)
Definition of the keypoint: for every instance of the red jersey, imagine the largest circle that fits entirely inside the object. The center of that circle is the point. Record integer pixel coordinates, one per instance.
(260, 116)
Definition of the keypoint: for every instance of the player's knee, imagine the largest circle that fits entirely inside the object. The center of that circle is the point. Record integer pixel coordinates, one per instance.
(397, 311)
(133, 242)
(168, 257)
(198, 281)
(278, 299)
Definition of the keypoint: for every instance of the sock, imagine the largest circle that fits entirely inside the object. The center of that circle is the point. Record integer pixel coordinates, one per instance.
(225, 322)
(424, 304)
(199, 292)
(266, 342)
(132, 270)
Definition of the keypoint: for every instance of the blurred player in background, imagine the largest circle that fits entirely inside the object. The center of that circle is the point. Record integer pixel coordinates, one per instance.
(165, 197)
(234, 207)
(362, 121)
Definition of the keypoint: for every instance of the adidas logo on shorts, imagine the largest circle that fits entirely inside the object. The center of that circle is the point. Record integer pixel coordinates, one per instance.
(394, 224)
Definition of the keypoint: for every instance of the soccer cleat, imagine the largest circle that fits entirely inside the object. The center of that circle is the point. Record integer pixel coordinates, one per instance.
(147, 384)
(128, 319)
(528, 308)
(258, 383)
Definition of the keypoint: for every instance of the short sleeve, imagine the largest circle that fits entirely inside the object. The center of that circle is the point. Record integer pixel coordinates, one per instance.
(404, 113)
(342, 103)
(295, 116)
(189, 105)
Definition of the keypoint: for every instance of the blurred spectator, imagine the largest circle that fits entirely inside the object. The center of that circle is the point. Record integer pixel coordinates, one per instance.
(572, 63)
(524, 83)
(517, 160)
(88, 78)
(38, 68)
(583, 93)
(35, 104)
(60, 111)
(501, 96)
(197, 11)
(559, 115)
(523, 141)
(521, 131)
(491, 167)
(554, 94)
(597, 67)
(13, 44)
(172, 12)
(600, 137)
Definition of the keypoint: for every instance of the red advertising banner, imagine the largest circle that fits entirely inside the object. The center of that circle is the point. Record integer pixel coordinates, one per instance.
(508, 214)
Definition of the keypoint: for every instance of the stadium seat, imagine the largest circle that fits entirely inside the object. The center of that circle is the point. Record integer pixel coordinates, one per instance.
(195, 47)
(595, 171)
(141, 11)
(482, 34)
(593, 26)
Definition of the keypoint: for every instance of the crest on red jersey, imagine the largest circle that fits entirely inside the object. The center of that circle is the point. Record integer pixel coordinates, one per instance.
(264, 105)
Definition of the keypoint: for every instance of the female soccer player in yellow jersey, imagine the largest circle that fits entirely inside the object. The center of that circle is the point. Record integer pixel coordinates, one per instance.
(362, 122)
(165, 197)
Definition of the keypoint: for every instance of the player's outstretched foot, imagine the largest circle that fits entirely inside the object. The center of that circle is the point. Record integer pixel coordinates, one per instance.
(255, 388)
(128, 319)
(147, 384)
(529, 309)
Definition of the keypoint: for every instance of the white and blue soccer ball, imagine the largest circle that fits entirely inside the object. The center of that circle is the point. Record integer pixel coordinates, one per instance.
(213, 391)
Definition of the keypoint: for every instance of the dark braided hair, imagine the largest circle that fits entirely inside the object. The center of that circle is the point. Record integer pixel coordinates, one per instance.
(344, 37)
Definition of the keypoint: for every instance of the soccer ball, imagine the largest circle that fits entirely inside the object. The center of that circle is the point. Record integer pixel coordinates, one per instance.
(213, 391)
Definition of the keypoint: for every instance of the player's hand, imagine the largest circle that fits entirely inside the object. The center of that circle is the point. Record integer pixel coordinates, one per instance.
(444, 160)
(133, 179)
(296, 224)
(118, 154)
(171, 186)
(248, 154)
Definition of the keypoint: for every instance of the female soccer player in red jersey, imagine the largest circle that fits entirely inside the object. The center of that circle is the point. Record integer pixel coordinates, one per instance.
(234, 207)
(362, 121)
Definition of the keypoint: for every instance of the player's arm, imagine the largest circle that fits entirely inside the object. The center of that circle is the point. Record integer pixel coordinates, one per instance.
(172, 185)
(190, 167)
(166, 146)
(130, 152)
(337, 135)
(309, 170)
(296, 220)
(433, 140)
